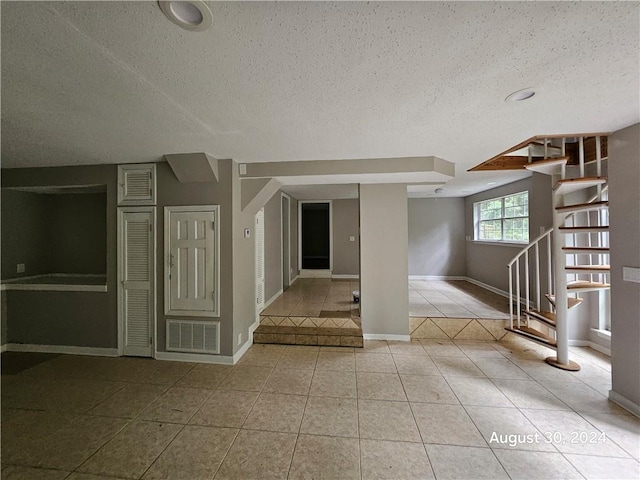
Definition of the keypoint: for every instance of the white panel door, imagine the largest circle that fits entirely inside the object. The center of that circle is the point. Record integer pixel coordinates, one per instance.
(137, 274)
(192, 247)
(260, 261)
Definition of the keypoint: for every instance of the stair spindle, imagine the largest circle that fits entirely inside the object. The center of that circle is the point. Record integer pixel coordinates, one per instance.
(563, 168)
(518, 290)
(510, 296)
(581, 156)
(537, 263)
(526, 283)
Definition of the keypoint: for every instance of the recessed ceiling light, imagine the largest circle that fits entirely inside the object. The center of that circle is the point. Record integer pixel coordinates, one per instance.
(521, 95)
(193, 15)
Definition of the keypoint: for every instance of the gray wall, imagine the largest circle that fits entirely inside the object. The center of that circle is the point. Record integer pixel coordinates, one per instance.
(384, 286)
(346, 223)
(487, 262)
(67, 318)
(173, 193)
(436, 236)
(244, 277)
(272, 246)
(61, 318)
(24, 233)
(624, 217)
(78, 233)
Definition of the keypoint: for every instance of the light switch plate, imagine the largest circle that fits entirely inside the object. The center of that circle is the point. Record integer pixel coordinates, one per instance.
(243, 168)
(352, 238)
(631, 274)
(21, 268)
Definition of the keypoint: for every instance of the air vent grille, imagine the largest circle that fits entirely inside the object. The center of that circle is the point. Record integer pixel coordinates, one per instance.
(193, 337)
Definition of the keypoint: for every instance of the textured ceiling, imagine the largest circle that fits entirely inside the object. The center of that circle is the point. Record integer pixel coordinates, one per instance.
(116, 82)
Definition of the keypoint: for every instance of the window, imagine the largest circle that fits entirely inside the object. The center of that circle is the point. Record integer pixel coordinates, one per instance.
(503, 219)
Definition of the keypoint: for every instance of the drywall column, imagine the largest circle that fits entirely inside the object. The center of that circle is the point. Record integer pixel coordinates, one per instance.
(624, 231)
(384, 259)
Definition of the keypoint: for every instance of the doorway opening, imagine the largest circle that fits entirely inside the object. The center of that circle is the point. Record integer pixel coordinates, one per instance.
(316, 238)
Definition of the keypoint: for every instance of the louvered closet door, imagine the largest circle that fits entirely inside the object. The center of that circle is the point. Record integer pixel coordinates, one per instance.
(260, 261)
(137, 280)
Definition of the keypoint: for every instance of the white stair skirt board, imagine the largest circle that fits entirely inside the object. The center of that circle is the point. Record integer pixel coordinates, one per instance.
(64, 349)
(315, 273)
(382, 336)
(624, 403)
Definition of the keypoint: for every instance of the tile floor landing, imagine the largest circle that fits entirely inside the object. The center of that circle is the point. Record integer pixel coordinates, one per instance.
(316, 297)
(420, 409)
(313, 311)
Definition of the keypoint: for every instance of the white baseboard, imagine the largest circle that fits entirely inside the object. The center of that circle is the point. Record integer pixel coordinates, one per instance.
(600, 348)
(340, 276)
(383, 336)
(314, 273)
(238, 355)
(489, 287)
(64, 349)
(4, 348)
(195, 358)
(293, 280)
(271, 300)
(590, 344)
(436, 277)
(624, 403)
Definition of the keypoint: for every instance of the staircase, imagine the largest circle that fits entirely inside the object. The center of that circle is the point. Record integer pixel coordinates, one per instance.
(569, 259)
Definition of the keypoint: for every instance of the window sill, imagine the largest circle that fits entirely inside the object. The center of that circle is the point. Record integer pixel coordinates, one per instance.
(501, 244)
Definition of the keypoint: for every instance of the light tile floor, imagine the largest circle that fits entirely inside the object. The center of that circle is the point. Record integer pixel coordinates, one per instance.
(427, 409)
(455, 298)
(309, 297)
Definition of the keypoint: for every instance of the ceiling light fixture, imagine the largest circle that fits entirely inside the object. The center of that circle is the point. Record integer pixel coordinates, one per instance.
(520, 95)
(192, 15)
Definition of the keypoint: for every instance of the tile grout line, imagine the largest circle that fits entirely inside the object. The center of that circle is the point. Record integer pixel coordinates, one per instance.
(411, 409)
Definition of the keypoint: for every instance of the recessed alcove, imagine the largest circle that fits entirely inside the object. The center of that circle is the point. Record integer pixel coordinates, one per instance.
(54, 236)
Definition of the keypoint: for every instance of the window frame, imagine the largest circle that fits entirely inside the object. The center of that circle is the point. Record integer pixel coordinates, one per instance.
(502, 218)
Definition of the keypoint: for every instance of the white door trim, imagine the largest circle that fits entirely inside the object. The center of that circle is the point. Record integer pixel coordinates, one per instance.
(287, 240)
(257, 244)
(168, 210)
(120, 254)
(330, 202)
